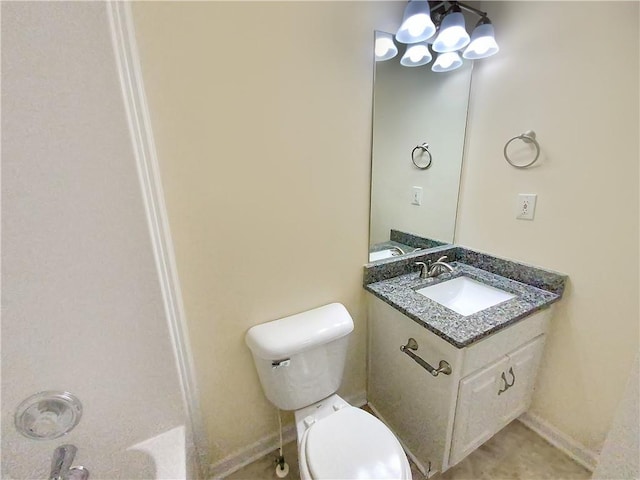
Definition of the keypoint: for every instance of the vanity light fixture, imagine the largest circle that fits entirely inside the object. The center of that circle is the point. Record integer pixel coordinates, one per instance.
(416, 55)
(385, 48)
(441, 24)
(416, 25)
(452, 35)
(483, 43)
(447, 61)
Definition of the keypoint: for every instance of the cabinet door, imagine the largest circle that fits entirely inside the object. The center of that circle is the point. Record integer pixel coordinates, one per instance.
(521, 375)
(493, 396)
(477, 411)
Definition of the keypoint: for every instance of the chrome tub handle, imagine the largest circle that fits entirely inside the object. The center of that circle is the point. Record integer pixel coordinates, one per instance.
(443, 366)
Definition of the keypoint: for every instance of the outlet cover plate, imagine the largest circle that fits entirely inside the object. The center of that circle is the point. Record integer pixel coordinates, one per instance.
(526, 206)
(416, 196)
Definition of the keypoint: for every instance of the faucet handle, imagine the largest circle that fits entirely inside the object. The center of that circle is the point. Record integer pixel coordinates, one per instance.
(62, 459)
(441, 259)
(78, 473)
(423, 268)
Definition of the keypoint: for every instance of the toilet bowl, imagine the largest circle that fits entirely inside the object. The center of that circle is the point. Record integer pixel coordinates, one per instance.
(300, 361)
(338, 441)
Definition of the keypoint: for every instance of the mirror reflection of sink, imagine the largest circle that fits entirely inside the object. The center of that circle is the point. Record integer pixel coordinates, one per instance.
(382, 254)
(465, 295)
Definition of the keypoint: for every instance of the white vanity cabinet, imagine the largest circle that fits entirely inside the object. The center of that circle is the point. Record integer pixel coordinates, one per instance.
(442, 419)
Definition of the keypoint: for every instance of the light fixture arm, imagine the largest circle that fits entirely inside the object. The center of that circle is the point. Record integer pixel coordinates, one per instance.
(471, 9)
(483, 21)
(435, 6)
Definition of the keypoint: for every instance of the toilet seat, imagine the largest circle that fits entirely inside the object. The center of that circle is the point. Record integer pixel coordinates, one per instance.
(352, 444)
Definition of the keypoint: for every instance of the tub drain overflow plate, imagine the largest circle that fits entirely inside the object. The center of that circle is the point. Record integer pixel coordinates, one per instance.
(48, 415)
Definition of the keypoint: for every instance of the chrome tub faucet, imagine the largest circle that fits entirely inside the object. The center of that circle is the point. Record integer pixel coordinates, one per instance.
(61, 468)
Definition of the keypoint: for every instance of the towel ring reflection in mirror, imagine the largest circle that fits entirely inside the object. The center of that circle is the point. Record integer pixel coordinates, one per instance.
(527, 137)
(425, 149)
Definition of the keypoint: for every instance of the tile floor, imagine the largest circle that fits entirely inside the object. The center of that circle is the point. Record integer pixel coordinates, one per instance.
(514, 453)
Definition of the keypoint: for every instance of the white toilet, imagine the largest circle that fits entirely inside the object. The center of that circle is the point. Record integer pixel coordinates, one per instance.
(300, 360)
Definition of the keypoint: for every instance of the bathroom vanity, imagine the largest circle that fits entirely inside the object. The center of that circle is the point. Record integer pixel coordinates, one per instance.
(458, 379)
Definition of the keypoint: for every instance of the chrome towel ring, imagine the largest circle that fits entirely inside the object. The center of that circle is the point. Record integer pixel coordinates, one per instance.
(425, 149)
(527, 137)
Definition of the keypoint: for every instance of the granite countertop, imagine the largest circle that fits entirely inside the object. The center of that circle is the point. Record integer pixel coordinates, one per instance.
(407, 242)
(459, 330)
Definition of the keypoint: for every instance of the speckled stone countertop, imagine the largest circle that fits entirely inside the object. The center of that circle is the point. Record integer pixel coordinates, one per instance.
(400, 292)
(406, 242)
(414, 240)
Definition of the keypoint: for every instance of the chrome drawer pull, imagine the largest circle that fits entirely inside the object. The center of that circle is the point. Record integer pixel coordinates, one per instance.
(513, 378)
(507, 385)
(443, 366)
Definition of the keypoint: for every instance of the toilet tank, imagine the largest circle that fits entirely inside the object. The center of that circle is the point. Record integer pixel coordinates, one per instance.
(300, 359)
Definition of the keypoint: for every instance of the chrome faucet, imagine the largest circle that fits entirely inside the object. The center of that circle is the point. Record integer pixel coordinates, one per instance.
(398, 250)
(62, 459)
(61, 468)
(429, 270)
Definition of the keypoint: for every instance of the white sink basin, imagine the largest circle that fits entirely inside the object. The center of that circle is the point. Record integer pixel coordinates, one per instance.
(465, 295)
(388, 253)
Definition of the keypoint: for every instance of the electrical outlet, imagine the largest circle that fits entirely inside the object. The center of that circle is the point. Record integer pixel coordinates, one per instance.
(416, 196)
(526, 206)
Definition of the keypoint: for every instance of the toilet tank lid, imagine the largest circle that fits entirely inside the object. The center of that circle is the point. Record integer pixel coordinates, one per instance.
(288, 336)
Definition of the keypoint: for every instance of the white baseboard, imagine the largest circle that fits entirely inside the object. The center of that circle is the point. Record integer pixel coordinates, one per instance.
(265, 445)
(578, 452)
(251, 453)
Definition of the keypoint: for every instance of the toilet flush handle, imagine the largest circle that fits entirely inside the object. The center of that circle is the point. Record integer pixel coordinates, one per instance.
(443, 366)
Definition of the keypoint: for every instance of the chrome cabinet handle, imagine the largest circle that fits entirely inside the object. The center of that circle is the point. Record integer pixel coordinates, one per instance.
(443, 366)
(513, 378)
(507, 385)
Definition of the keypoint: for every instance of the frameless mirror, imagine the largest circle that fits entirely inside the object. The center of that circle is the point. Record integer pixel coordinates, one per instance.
(419, 121)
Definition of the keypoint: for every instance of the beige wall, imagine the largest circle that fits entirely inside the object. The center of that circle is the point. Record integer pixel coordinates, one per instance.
(264, 143)
(570, 72)
(262, 119)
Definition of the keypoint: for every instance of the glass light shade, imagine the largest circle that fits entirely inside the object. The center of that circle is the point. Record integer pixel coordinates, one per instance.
(446, 62)
(385, 48)
(433, 37)
(453, 35)
(417, 54)
(416, 25)
(483, 43)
